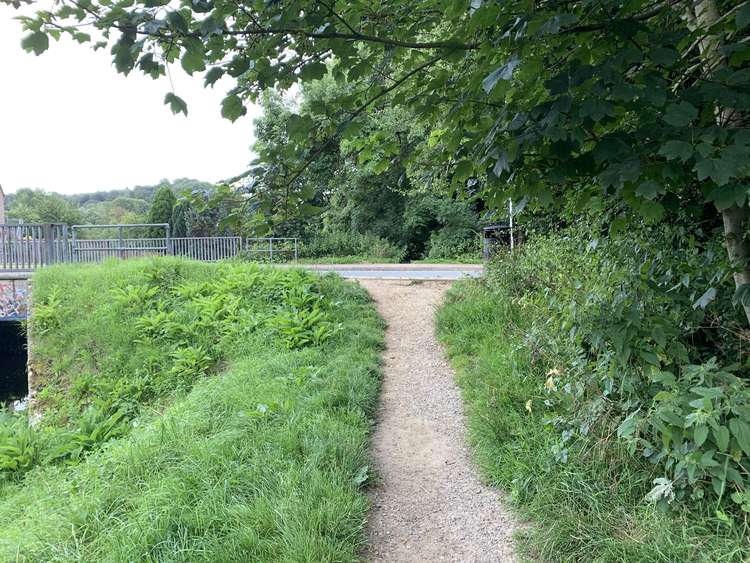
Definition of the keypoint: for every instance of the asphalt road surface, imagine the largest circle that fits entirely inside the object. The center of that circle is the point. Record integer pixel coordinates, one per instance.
(437, 272)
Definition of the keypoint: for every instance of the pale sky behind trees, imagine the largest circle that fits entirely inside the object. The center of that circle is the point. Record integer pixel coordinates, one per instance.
(69, 123)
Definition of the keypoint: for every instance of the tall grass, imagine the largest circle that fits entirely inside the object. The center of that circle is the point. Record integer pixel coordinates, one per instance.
(590, 506)
(262, 458)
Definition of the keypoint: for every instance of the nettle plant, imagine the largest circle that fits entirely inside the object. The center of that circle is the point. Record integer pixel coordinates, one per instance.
(644, 360)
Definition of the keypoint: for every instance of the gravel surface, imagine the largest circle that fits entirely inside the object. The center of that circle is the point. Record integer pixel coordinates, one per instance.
(429, 504)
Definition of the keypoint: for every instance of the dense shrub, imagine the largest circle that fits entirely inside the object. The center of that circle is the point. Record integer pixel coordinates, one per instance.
(647, 355)
(616, 395)
(333, 244)
(454, 245)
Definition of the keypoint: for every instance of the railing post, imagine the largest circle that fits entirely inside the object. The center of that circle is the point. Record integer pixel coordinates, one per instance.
(64, 243)
(270, 250)
(49, 245)
(295, 250)
(120, 242)
(170, 249)
(73, 249)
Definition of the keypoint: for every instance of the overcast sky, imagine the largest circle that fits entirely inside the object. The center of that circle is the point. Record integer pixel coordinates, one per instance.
(70, 123)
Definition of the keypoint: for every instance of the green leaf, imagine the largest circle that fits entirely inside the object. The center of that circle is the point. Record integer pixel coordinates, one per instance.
(680, 114)
(741, 432)
(742, 295)
(193, 57)
(504, 72)
(721, 436)
(177, 21)
(232, 107)
(742, 19)
(700, 435)
(299, 126)
(213, 75)
(38, 42)
(313, 71)
(649, 190)
(176, 104)
(705, 299)
(676, 150)
(725, 197)
(463, 170)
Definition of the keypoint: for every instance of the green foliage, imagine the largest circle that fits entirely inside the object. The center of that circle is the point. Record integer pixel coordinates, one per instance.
(584, 378)
(38, 206)
(161, 209)
(181, 321)
(335, 244)
(265, 461)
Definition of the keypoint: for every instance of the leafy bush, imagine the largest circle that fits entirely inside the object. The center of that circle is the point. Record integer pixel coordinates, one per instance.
(447, 245)
(584, 378)
(644, 355)
(332, 244)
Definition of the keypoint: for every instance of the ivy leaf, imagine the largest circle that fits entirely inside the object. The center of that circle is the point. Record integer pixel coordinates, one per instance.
(680, 114)
(176, 104)
(38, 42)
(504, 72)
(232, 107)
(706, 298)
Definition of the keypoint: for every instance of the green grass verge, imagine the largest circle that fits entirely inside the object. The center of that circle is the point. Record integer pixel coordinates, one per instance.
(590, 508)
(260, 456)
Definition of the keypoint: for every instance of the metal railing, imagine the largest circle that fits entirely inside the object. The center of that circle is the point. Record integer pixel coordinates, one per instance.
(281, 247)
(208, 249)
(26, 247)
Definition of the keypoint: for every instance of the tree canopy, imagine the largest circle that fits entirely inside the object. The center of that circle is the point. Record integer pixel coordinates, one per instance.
(641, 102)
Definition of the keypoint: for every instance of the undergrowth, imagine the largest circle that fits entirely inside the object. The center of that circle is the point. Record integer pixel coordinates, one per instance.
(555, 351)
(193, 412)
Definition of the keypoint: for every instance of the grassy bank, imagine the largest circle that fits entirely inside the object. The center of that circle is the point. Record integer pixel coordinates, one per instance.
(583, 492)
(242, 400)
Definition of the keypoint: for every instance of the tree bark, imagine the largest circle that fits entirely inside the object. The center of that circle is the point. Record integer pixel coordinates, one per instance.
(703, 14)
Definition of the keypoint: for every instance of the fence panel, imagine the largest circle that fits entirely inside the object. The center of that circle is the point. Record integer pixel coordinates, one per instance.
(26, 247)
(272, 249)
(208, 249)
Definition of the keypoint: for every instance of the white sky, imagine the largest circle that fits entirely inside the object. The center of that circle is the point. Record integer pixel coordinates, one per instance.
(70, 123)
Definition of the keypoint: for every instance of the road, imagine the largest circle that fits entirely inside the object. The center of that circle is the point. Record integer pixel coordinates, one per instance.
(432, 272)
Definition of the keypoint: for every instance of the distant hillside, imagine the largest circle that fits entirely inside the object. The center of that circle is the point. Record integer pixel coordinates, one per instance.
(127, 205)
(145, 193)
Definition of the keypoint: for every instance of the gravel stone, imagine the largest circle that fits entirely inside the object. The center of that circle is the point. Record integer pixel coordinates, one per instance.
(428, 504)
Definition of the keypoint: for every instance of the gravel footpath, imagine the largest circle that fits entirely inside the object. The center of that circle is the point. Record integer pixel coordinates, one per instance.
(429, 504)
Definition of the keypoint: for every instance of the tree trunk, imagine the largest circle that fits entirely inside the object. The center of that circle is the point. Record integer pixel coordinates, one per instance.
(703, 15)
